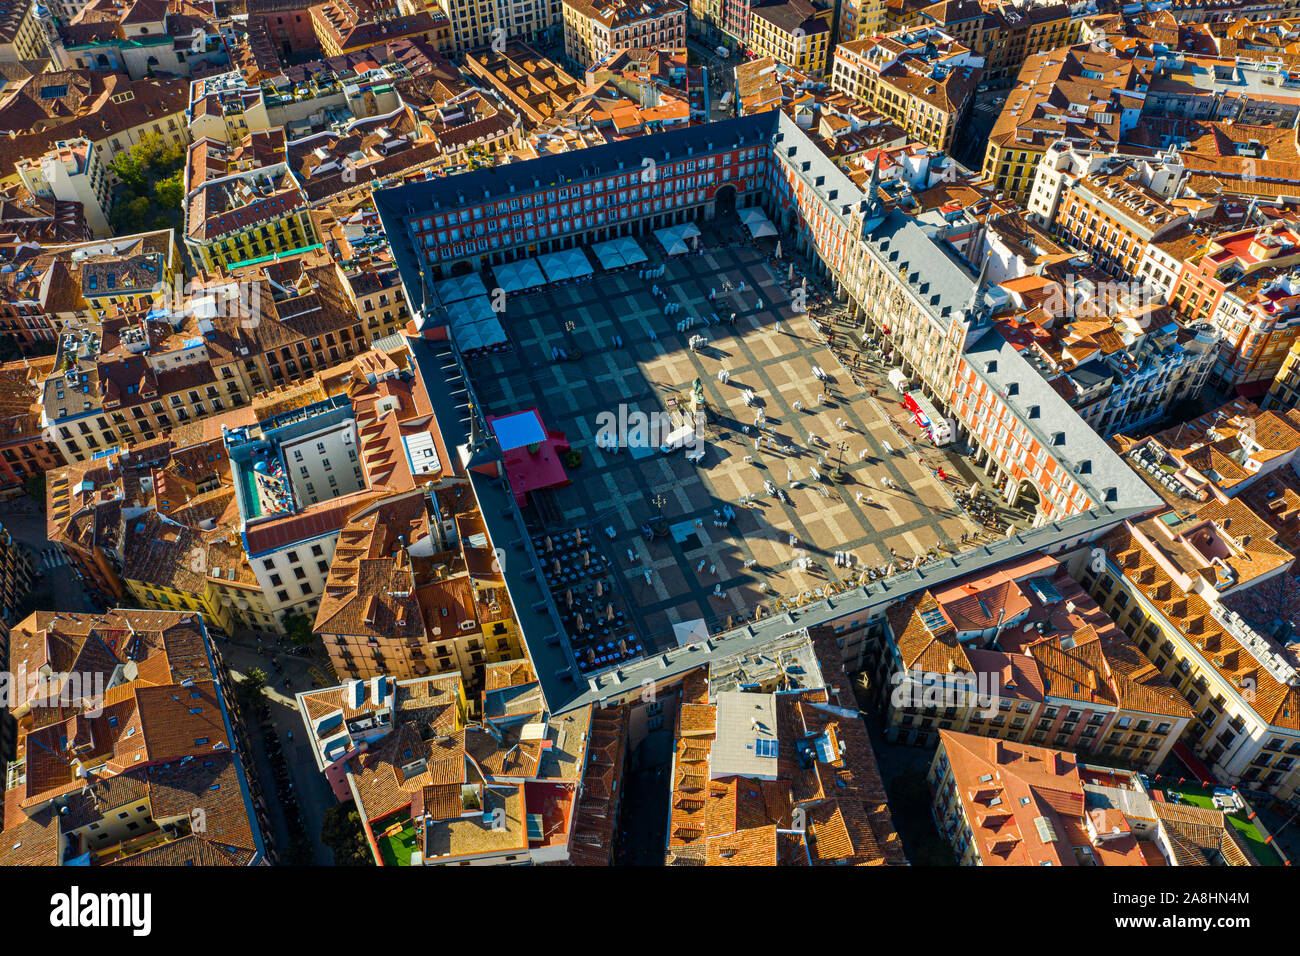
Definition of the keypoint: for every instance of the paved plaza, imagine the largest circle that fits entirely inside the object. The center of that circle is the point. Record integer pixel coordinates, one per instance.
(775, 550)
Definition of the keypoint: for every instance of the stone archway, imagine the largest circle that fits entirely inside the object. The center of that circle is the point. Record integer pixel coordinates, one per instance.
(1026, 496)
(724, 202)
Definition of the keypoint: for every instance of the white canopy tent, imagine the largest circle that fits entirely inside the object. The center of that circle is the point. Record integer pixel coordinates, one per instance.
(676, 239)
(474, 323)
(460, 287)
(757, 223)
(565, 264)
(618, 253)
(519, 276)
(630, 250)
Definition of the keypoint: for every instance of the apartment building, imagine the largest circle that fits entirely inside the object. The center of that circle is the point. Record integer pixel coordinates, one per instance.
(1092, 98)
(793, 32)
(1115, 210)
(292, 506)
(476, 24)
(40, 220)
(277, 27)
(158, 520)
(748, 736)
(963, 20)
(135, 754)
(347, 26)
(592, 31)
(71, 172)
(1118, 369)
(142, 522)
(1244, 282)
(1022, 653)
(859, 18)
(243, 204)
(444, 778)
(1284, 391)
(412, 590)
(176, 38)
(1200, 584)
(1010, 804)
(119, 381)
(350, 155)
(534, 87)
(280, 323)
(923, 80)
(1015, 32)
(24, 451)
(22, 36)
(17, 572)
(111, 111)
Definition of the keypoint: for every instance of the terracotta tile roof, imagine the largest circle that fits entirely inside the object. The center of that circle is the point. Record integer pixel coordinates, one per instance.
(159, 737)
(1005, 788)
(1276, 703)
(826, 786)
(1200, 836)
(591, 839)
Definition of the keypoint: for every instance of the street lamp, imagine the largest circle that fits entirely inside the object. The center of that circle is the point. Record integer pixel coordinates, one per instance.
(658, 525)
(568, 326)
(842, 446)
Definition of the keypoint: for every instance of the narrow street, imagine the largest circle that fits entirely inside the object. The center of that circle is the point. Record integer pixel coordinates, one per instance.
(57, 585)
(310, 791)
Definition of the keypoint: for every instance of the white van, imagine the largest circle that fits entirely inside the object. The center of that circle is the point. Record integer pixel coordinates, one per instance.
(678, 438)
(722, 52)
(898, 381)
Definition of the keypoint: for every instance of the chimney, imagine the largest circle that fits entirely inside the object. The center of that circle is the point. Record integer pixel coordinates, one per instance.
(378, 690)
(355, 694)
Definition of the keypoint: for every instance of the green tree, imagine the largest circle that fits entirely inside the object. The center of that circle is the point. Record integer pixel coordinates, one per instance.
(254, 681)
(298, 628)
(342, 832)
(35, 487)
(170, 192)
(151, 186)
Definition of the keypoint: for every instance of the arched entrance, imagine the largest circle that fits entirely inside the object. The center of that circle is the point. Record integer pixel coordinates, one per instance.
(1026, 497)
(724, 202)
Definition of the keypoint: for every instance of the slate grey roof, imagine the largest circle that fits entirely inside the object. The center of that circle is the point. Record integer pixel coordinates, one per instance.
(1093, 463)
(596, 162)
(940, 281)
(1092, 373)
(793, 147)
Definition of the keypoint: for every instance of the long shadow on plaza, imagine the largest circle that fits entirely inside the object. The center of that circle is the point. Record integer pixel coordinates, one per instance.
(655, 370)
